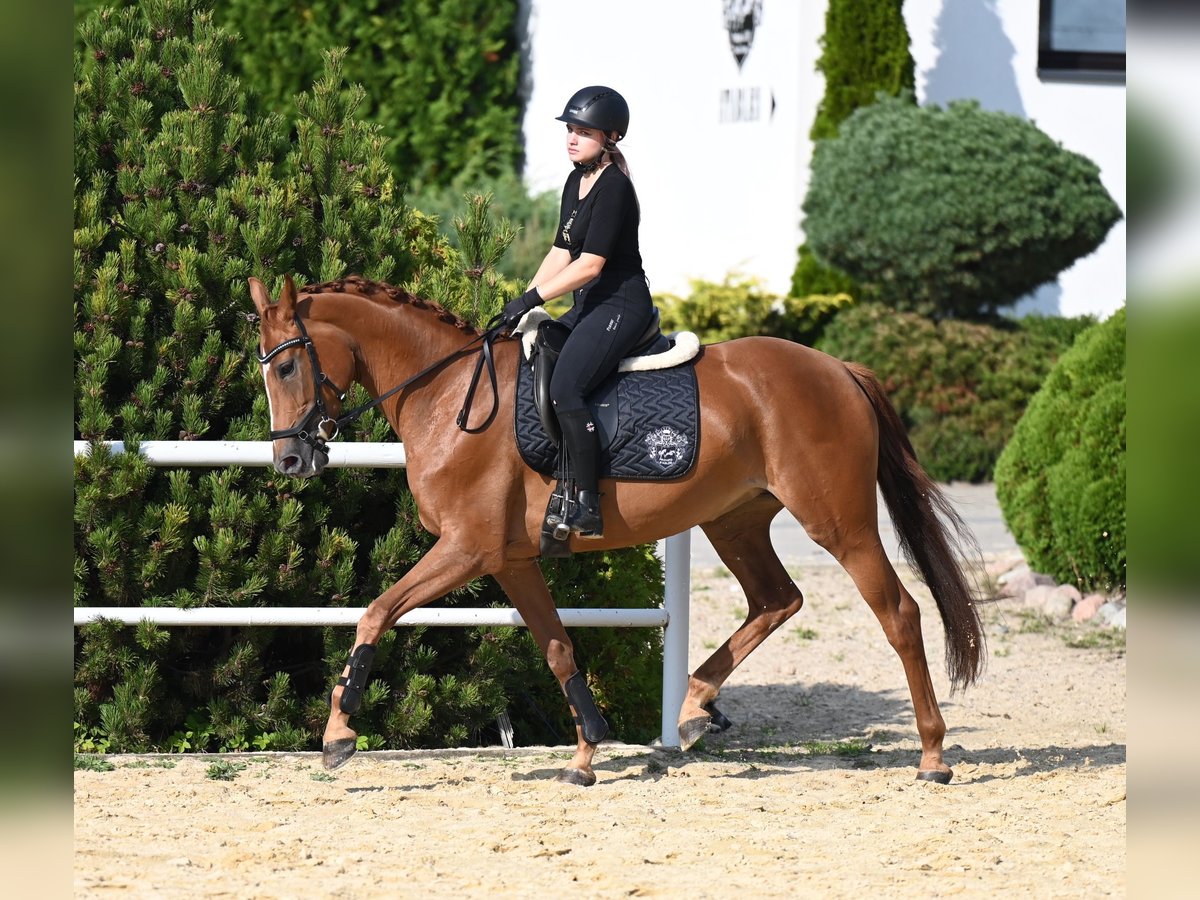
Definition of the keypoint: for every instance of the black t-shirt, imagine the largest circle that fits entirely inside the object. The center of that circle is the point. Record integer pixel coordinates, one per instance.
(605, 222)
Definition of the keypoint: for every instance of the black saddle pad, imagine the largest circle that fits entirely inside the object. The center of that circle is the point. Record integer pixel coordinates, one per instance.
(648, 422)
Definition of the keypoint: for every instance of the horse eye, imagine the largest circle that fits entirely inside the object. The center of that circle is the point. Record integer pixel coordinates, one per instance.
(286, 368)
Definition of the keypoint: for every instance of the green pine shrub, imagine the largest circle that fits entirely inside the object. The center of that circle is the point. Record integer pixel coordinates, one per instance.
(536, 216)
(1061, 479)
(442, 79)
(864, 51)
(951, 212)
(959, 387)
(185, 185)
(739, 307)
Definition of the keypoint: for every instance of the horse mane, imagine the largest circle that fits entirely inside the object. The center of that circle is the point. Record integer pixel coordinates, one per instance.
(383, 292)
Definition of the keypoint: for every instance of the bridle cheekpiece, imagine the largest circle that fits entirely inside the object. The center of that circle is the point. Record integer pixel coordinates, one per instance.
(317, 427)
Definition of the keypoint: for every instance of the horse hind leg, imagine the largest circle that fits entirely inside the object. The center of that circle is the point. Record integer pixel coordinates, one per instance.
(900, 618)
(742, 540)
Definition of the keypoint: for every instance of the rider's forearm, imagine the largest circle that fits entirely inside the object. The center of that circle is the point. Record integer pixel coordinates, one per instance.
(575, 275)
(554, 262)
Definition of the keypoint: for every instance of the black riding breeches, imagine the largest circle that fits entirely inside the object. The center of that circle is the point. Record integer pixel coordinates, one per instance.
(610, 315)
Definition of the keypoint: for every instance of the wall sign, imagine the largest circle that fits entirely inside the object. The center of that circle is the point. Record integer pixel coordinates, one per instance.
(743, 103)
(741, 18)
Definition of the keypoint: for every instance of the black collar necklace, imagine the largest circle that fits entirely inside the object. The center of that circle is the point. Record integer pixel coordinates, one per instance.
(589, 168)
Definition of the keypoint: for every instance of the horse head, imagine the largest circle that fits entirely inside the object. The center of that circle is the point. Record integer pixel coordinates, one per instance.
(303, 362)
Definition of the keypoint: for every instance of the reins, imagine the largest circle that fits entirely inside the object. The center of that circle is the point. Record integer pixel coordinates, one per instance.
(327, 428)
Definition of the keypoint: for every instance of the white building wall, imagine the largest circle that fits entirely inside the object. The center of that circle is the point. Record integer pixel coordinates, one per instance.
(987, 50)
(720, 153)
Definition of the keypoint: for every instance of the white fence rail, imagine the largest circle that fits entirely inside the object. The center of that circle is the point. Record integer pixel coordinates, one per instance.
(672, 616)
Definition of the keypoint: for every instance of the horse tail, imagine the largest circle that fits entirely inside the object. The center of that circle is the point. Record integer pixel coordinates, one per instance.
(933, 537)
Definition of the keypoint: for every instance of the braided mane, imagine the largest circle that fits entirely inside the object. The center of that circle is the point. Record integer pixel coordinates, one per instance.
(380, 291)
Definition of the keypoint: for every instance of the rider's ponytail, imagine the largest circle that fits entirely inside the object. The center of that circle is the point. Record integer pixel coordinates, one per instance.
(616, 157)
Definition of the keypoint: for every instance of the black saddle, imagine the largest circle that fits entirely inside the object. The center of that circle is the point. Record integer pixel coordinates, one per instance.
(647, 421)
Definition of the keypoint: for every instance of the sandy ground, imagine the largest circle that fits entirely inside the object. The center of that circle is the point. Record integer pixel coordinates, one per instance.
(1037, 806)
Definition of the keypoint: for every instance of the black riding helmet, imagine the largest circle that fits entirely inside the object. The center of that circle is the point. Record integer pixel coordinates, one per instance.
(598, 107)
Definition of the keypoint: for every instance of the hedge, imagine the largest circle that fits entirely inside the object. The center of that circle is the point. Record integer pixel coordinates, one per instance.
(1061, 479)
(959, 387)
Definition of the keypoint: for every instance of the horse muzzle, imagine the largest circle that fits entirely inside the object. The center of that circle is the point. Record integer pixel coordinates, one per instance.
(300, 459)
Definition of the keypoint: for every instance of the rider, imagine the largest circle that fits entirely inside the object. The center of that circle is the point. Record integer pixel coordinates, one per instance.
(595, 254)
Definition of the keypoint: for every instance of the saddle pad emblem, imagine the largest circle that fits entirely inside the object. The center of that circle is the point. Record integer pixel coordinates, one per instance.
(666, 447)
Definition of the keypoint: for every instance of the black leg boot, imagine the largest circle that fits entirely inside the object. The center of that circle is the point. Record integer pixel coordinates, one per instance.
(583, 449)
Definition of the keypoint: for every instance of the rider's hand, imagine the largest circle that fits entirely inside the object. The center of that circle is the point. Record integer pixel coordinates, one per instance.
(515, 309)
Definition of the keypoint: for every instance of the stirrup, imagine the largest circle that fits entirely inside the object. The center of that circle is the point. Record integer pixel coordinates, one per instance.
(555, 531)
(556, 515)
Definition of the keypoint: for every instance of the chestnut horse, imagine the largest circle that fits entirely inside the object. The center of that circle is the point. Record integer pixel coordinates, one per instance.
(782, 426)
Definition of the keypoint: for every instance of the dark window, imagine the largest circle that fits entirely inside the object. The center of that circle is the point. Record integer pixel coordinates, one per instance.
(1082, 40)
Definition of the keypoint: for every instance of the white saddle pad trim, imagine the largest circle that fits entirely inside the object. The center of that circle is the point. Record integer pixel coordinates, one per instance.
(685, 345)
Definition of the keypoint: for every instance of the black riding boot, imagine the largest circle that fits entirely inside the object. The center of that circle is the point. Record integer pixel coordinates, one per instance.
(583, 449)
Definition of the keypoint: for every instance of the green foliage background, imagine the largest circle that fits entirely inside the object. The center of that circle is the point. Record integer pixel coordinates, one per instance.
(951, 212)
(1061, 480)
(185, 184)
(739, 306)
(441, 79)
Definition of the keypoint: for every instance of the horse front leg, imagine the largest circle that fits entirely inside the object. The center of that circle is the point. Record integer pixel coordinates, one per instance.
(526, 588)
(447, 565)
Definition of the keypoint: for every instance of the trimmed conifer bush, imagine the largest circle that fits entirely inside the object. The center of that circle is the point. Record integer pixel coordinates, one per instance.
(959, 387)
(186, 185)
(864, 51)
(951, 212)
(1061, 479)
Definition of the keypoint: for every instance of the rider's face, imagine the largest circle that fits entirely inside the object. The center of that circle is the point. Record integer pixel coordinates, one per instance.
(584, 144)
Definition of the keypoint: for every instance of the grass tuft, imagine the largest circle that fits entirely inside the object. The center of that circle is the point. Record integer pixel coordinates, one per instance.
(89, 762)
(1098, 639)
(852, 747)
(224, 771)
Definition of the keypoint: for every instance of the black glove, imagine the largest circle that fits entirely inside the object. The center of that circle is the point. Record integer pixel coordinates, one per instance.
(514, 310)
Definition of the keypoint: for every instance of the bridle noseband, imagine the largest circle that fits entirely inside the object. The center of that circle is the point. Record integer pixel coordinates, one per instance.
(318, 427)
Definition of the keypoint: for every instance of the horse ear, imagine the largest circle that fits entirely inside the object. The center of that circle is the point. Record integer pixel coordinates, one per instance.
(287, 297)
(258, 293)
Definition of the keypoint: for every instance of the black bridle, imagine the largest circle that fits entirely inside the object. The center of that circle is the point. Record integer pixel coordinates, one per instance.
(318, 427)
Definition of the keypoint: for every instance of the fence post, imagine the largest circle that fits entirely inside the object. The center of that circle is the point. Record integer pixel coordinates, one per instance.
(677, 586)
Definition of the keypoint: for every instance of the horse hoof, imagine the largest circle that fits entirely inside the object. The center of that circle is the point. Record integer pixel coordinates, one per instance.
(577, 777)
(720, 722)
(692, 730)
(336, 753)
(937, 776)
